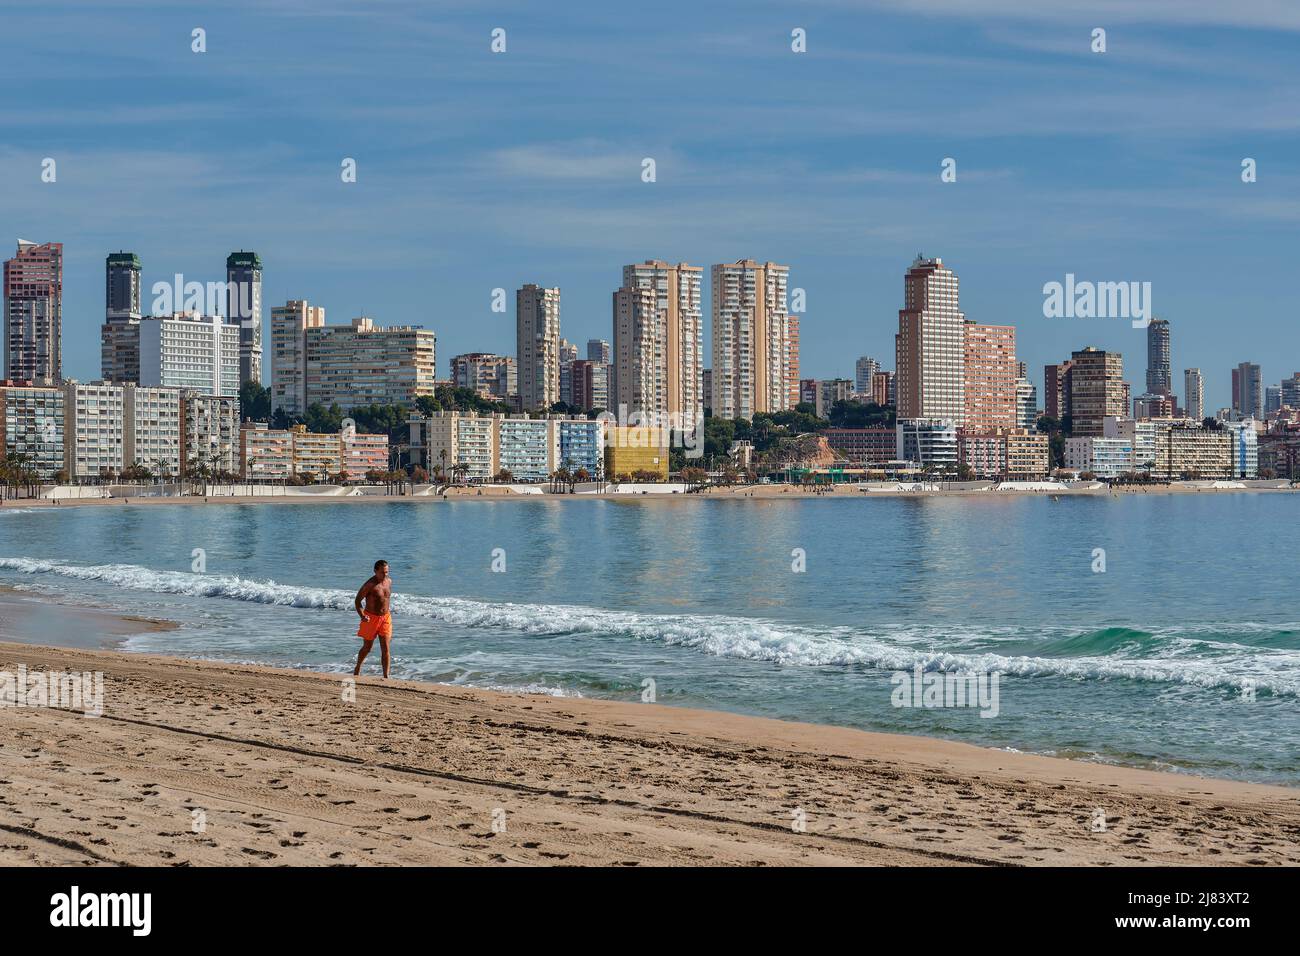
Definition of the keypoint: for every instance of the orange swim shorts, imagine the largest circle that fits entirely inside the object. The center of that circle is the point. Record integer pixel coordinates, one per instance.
(376, 625)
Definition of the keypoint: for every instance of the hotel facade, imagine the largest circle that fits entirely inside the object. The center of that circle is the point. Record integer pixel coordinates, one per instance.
(190, 351)
(930, 355)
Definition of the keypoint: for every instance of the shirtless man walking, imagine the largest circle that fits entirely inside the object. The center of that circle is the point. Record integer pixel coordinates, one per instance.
(377, 617)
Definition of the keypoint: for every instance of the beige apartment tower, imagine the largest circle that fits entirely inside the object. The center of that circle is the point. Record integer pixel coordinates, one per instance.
(930, 356)
(991, 375)
(640, 371)
(751, 339)
(538, 346)
(289, 325)
(664, 345)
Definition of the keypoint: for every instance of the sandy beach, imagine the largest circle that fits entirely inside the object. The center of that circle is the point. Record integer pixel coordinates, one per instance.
(202, 763)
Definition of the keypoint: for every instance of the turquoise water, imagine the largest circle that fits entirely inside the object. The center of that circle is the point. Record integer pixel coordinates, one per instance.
(1183, 654)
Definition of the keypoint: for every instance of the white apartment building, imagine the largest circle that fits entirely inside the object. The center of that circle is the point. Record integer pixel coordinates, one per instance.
(192, 351)
(864, 375)
(151, 419)
(930, 443)
(1245, 448)
(1104, 457)
(1026, 404)
(527, 448)
(1141, 436)
(95, 432)
(289, 325)
(753, 351)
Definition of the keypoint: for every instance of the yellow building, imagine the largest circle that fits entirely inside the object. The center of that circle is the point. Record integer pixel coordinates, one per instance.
(630, 449)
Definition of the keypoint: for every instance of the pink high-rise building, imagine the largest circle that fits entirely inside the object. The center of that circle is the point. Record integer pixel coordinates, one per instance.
(33, 313)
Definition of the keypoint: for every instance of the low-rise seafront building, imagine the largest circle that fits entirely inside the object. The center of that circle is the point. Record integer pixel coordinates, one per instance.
(209, 432)
(152, 430)
(1103, 457)
(95, 434)
(273, 454)
(363, 454)
(473, 447)
(265, 454)
(636, 449)
(32, 421)
(1185, 450)
(1011, 453)
(929, 442)
(316, 455)
(862, 446)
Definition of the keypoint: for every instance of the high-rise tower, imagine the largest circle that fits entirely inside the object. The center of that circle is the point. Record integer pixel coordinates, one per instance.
(33, 313)
(119, 336)
(930, 345)
(244, 308)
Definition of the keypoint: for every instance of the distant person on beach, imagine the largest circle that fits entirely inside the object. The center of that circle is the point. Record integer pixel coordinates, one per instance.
(376, 617)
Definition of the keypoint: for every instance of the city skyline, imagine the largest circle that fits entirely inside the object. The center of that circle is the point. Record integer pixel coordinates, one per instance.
(125, 315)
(842, 190)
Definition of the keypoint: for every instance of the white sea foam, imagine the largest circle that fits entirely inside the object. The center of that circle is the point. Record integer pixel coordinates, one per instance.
(753, 639)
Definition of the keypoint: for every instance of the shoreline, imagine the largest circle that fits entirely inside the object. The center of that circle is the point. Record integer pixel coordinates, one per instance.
(737, 492)
(24, 614)
(285, 770)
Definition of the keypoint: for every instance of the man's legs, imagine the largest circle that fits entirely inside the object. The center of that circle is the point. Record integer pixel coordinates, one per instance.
(361, 656)
(384, 640)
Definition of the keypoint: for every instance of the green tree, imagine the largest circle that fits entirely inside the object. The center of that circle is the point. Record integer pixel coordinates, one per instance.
(254, 402)
(324, 420)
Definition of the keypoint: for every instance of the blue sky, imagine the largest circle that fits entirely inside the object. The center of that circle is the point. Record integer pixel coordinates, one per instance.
(479, 170)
